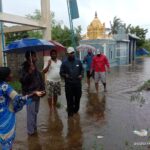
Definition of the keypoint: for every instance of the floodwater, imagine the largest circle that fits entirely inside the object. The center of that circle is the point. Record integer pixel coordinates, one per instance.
(106, 121)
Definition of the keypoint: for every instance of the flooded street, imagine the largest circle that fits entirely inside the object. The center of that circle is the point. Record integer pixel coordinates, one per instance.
(105, 122)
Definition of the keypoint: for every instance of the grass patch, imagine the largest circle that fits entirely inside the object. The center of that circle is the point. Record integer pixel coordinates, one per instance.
(16, 85)
(145, 86)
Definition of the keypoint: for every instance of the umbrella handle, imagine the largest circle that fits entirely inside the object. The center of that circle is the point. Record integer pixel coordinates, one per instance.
(31, 58)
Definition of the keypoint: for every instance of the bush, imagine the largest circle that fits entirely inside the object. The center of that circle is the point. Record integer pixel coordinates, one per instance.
(145, 86)
(16, 85)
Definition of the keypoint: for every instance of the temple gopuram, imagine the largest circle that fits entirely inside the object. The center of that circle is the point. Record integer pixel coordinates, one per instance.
(96, 30)
(120, 48)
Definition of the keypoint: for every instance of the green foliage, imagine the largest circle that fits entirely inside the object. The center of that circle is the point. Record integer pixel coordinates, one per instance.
(115, 25)
(15, 36)
(127, 28)
(35, 34)
(146, 44)
(141, 33)
(36, 15)
(16, 85)
(145, 86)
(137, 30)
(60, 32)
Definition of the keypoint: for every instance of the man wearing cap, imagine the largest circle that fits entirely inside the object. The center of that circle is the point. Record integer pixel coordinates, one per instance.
(99, 64)
(72, 71)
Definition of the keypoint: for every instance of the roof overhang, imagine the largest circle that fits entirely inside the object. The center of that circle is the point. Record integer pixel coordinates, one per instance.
(9, 18)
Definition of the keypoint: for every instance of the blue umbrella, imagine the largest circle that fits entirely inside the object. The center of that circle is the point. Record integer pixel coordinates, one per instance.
(28, 44)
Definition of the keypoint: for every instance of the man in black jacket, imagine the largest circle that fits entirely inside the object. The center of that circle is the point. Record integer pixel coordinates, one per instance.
(71, 70)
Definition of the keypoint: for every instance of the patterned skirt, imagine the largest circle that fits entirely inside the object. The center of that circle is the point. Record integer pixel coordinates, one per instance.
(7, 130)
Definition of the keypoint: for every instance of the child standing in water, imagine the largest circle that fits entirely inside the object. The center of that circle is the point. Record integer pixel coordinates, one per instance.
(10, 103)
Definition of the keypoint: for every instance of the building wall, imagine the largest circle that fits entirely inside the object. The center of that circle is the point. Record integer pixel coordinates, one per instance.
(120, 50)
(14, 61)
(108, 47)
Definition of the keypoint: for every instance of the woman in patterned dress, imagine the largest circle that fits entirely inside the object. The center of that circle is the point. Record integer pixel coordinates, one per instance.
(10, 103)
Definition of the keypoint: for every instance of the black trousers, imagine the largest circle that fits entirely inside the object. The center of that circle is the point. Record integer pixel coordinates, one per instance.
(73, 95)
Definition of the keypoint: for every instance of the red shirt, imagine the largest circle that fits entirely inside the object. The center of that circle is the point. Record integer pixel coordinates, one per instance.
(99, 63)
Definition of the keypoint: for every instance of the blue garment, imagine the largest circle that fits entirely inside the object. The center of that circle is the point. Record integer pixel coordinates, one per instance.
(10, 102)
(88, 60)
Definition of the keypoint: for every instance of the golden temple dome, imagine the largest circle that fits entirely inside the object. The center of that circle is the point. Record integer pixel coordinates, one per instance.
(96, 23)
(96, 30)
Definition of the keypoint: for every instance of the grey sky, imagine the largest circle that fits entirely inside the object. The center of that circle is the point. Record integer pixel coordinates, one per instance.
(135, 12)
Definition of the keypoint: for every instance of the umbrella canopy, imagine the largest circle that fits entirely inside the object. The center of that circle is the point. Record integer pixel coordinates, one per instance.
(58, 46)
(28, 44)
(85, 47)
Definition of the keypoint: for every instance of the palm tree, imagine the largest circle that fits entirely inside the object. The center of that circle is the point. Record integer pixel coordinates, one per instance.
(127, 28)
(115, 25)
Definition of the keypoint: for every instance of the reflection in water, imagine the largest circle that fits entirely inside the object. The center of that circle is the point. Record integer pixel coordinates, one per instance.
(55, 132)
(74, 134)
(34, 143)
(96, 106)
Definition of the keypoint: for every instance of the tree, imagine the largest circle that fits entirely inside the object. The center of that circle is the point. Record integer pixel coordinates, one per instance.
(9, 37)
(141, 33)
(146, 44)
(60, 32)
(115, 25)
(127, 28)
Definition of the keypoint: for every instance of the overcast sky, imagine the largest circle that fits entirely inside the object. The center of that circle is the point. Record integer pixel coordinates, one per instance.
(135, 12)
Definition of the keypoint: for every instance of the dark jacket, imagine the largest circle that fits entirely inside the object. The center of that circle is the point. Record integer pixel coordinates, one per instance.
(73, 69)
(31, 82)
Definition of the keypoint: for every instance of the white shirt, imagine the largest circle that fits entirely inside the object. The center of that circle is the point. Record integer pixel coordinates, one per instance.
(53, 71)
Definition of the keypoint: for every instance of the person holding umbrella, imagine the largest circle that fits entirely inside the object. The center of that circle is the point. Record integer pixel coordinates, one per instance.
(31, 80)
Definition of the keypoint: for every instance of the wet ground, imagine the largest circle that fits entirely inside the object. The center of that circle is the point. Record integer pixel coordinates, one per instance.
(105, 122)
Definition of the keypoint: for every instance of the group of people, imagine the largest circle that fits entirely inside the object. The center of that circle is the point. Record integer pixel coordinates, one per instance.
(34, 87)
(96, 67)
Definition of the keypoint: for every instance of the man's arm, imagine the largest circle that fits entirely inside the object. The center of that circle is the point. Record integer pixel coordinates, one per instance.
(81, 70)
(45, 70)
(62, 70)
